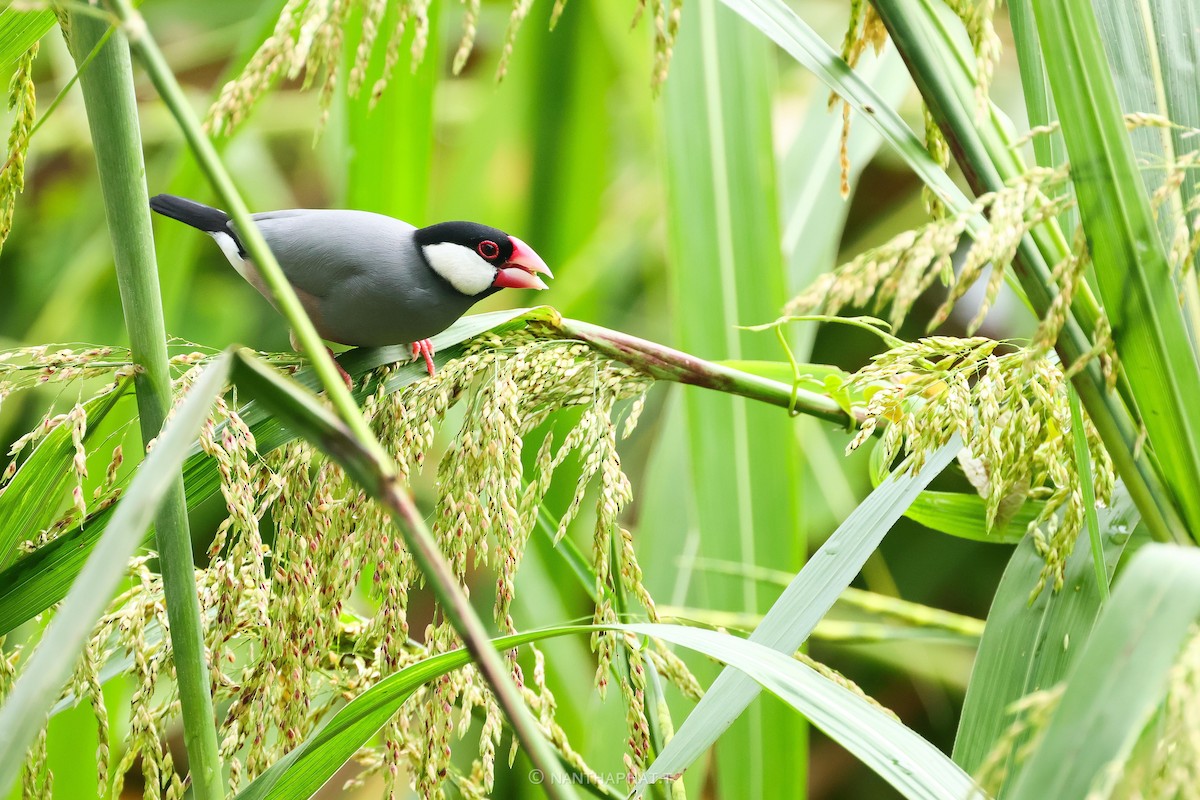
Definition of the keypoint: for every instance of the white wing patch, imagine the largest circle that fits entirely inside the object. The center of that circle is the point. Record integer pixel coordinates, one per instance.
(465, 271)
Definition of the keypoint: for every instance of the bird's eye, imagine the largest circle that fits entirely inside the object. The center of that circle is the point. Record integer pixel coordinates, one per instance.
(488, 249)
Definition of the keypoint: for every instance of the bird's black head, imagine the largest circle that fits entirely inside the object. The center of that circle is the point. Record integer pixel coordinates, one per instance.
(477, 259)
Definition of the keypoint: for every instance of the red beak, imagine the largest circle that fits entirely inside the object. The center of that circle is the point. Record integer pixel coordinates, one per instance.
(519, 271)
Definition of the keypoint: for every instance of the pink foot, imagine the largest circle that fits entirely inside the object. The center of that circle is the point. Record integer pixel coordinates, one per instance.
(424, 348)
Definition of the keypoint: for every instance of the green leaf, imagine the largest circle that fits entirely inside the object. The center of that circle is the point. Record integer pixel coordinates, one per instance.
(1131, 266)
(1121, 676)
(20, 29)
(725, 223)
(1029, 646)
(780, 24)
(961, 514)
(965, 516)
(33, 499)
(41, 681)
(797, 611)
(40, 579)
(909, 763)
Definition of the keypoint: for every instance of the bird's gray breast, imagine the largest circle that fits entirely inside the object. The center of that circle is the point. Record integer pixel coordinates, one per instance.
(365, 277)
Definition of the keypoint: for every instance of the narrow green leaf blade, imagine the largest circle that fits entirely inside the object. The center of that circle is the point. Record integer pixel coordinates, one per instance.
(724, 226)
(32, 499)
(20, 29)
(48, 669)
(916, 768)
(799, 608)
(1027, 647)
(1121, 675)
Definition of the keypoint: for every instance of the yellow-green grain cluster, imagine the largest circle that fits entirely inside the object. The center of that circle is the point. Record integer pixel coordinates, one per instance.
(1013, 416)
(1030, 716)
(900, 270)
(1166, 762)
(22, 103)
(864, 28)
(311, 39)
(283, 621)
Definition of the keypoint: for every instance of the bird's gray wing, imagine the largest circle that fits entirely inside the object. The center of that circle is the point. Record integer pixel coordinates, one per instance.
(330, 252)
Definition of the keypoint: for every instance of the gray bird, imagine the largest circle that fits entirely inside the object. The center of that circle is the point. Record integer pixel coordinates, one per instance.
(367, 279)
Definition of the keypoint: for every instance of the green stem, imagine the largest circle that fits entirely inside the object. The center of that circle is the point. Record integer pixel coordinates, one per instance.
(1083, 468)
(108, 94)
(666, 363)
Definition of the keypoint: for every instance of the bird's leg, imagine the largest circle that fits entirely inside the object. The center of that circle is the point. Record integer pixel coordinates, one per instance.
(341, 371)
(345, 375)
(424, 348)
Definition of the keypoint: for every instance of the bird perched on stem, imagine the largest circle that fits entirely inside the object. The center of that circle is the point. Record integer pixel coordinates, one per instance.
(369, 280)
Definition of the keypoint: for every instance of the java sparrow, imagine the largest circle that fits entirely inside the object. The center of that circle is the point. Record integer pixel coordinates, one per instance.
(369, 280)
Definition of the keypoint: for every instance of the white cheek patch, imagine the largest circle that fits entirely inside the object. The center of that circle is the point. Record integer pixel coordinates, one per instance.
(230, 249)
(460, 266)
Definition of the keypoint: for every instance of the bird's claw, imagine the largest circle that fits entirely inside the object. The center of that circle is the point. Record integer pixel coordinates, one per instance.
(424, 348)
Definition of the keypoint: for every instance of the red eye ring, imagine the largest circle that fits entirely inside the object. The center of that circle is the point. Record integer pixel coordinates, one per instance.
(488, 249)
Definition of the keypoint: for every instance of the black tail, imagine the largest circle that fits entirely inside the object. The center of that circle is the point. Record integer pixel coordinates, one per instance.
(189, 212)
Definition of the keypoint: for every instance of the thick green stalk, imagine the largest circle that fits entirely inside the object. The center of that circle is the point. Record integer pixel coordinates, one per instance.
(108, 94)
(667, 364)
(404, 512)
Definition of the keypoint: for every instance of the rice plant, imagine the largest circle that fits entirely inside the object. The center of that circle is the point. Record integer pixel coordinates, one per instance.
(538, 568)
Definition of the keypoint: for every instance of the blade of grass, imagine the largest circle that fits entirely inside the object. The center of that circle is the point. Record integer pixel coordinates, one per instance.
(1131, 267)
(32, 499)
(19, 30)
(48, 669)
(743, 462)
(1048, 149)
(908, 762)
(1121, 675)
(797, 611)
(1029, 645)
(1152, 48)
(111, 103)
(1083, 467)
